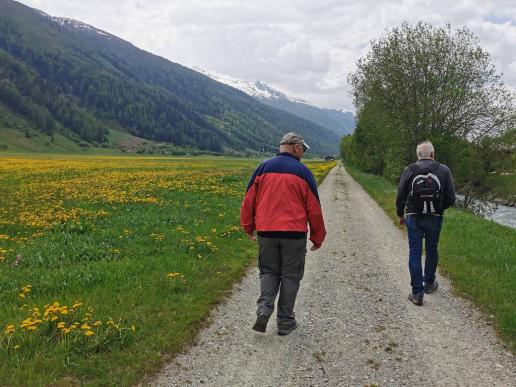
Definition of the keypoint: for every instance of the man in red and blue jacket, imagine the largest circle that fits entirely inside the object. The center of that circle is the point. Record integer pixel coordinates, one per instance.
(281, 199)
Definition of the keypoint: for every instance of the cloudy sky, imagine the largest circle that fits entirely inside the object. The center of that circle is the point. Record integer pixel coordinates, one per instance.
(305, 48)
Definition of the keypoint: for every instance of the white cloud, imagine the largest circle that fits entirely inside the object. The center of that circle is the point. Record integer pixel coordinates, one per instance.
(304, 47)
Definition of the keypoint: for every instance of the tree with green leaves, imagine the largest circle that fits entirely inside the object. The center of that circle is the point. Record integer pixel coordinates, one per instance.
(421, 82)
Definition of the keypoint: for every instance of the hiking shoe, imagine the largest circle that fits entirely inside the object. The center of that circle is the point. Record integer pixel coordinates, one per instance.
(430, 288)
(416, 298)
(261, 323)
(286, 331)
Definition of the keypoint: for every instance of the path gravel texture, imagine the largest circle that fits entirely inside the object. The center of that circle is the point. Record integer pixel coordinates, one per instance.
(356, 326)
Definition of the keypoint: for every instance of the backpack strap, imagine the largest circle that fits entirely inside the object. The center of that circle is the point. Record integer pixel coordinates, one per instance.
(435, 167)
(414, 169)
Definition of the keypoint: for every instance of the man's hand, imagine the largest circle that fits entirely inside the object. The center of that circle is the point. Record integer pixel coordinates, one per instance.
(314, 247)
(251, 236)
(402, 220)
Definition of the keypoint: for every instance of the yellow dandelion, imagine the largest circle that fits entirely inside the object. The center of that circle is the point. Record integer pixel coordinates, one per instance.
(89, 333)
(26, 289)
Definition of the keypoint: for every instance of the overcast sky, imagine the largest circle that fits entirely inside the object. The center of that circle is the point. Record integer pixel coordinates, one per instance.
(305, 48)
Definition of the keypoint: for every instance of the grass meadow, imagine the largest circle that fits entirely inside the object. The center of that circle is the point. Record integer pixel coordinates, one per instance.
(478, 255)
(109, 265)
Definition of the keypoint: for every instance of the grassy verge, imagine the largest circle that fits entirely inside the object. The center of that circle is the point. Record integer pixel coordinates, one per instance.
(109, 265)
(478, 255)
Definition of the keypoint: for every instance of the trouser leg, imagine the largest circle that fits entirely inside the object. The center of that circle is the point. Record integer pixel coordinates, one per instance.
(432, 233)
(415, 238)
(293, 252)
(269, 261)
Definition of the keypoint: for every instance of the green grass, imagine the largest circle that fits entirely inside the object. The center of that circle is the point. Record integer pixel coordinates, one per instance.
(106, 231)
(16, 141)
(478, 255)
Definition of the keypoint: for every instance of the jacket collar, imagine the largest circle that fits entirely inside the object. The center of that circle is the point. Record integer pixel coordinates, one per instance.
(288, 154)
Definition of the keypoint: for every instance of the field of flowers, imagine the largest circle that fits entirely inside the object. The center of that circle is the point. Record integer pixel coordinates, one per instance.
(108, 265)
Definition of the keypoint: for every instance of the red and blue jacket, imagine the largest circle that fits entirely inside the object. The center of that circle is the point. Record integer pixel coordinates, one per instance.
(282, 197)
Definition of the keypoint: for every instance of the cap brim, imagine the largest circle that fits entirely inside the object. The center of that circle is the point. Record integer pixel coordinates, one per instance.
(305, 144)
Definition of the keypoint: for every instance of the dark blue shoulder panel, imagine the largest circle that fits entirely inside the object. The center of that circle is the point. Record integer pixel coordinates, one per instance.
(286, 163)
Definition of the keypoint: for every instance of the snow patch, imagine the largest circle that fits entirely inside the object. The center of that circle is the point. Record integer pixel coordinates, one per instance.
(256, 89)
(76, 25)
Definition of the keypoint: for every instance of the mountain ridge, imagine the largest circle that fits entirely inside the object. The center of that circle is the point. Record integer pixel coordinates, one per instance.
(340, 121)
(63, 76)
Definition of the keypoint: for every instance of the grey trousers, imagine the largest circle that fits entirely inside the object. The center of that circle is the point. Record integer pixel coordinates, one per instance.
(282, 264)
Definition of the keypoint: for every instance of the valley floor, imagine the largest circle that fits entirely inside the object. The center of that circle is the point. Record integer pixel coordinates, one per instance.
(356, 326)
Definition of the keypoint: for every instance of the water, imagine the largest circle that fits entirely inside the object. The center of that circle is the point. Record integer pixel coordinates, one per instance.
(497, 212)
(505, 215)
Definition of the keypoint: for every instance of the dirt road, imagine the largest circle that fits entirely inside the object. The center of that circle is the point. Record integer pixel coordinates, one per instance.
(356, 326)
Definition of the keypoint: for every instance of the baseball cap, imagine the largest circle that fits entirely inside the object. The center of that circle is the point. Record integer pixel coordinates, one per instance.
(293, 138)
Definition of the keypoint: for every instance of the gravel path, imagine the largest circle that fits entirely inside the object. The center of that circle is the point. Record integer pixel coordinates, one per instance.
(356, 326)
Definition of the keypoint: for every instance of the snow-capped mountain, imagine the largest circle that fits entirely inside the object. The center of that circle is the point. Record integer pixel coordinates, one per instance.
(255, 89)
(105, 83)
(339, 121)
(76, 25)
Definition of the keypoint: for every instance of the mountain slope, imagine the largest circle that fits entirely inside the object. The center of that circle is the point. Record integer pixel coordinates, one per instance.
(67, 77)
(339, 121)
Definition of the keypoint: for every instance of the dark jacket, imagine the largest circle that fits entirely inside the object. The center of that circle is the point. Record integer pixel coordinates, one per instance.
(445, 177)
(282, 198)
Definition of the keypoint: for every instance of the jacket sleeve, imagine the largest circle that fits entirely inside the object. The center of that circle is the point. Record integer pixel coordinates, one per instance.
(248, 208)
(314, 213)
(403, 191)
(448, 190)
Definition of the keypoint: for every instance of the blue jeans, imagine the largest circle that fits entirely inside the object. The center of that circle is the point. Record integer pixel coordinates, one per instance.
(429, 228)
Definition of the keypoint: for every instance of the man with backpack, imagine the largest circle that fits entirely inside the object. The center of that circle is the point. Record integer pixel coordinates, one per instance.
(424, 192)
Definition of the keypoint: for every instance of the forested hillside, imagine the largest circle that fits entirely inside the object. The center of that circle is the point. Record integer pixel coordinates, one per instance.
(342, 123)
(337, 120)
(62, 76)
